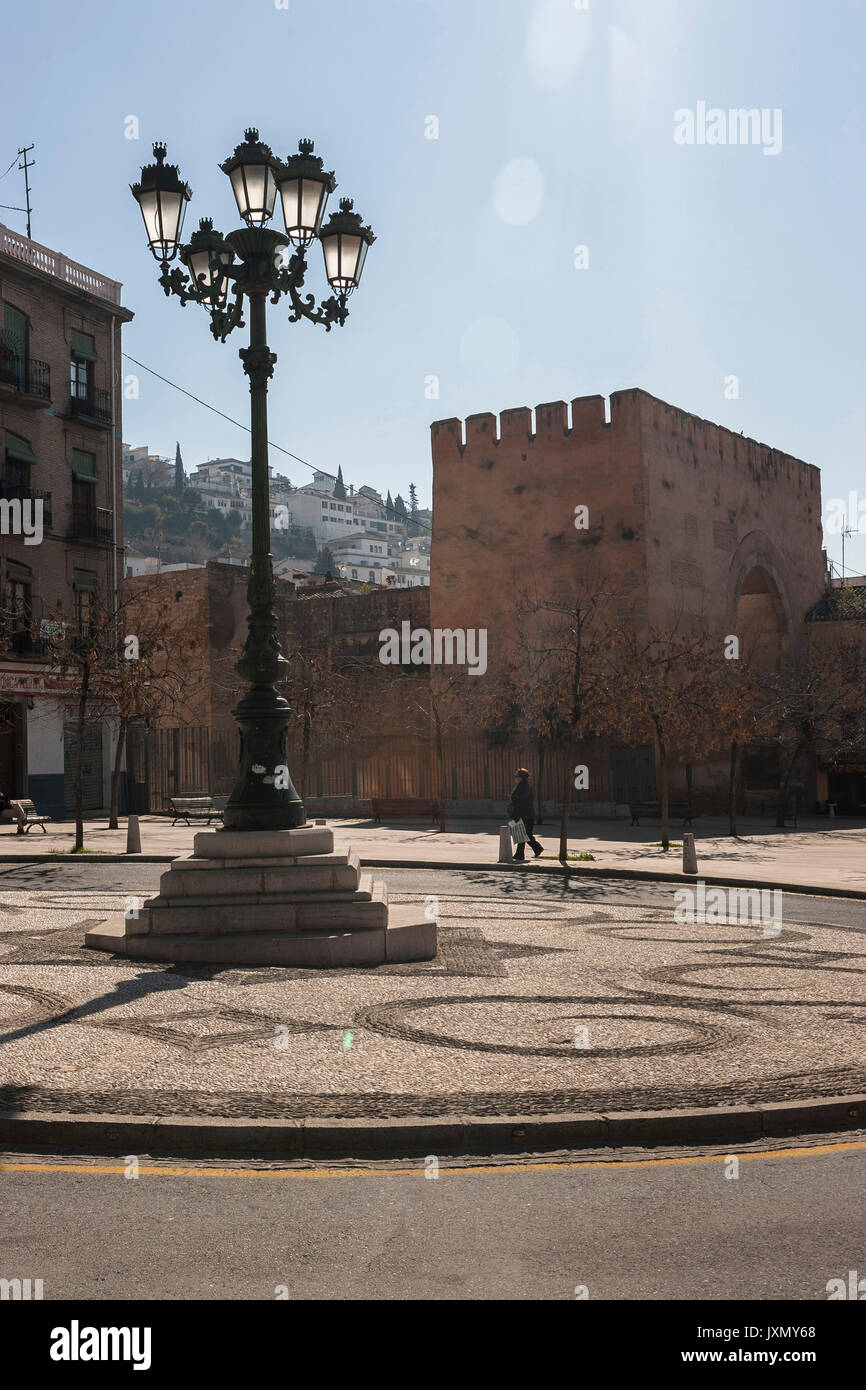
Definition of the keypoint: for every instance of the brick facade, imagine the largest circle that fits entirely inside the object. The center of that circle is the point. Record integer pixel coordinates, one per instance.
(687, 517)
(60, 442)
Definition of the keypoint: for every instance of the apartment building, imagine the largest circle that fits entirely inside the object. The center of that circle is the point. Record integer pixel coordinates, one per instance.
(60, 456)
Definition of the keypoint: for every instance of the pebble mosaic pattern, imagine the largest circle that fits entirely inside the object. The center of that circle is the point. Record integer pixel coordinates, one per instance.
(545, 1005)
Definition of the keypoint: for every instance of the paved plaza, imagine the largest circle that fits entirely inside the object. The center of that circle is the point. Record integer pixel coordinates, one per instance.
(547, 996)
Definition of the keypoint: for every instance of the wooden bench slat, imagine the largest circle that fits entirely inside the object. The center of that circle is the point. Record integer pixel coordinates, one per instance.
(203, 808)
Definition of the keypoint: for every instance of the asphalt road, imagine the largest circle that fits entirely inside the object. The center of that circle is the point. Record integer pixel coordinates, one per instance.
(143, 879)
(673, 1227)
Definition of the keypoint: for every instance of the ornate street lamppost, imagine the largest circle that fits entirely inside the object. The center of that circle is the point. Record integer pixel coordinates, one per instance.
(250, 262)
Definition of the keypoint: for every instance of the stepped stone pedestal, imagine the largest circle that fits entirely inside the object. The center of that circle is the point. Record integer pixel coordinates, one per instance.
(269, 897)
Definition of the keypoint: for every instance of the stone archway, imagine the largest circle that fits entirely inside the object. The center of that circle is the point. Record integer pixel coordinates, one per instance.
(759, 605)
(762, 624)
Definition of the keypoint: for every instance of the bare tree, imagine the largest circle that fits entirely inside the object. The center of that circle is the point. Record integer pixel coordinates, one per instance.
(662, 683)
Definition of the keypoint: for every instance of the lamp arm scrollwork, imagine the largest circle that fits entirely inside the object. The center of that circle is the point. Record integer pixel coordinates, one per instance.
(224, 321)
(290, 280)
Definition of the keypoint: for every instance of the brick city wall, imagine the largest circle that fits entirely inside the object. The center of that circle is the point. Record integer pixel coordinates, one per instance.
(680, 512)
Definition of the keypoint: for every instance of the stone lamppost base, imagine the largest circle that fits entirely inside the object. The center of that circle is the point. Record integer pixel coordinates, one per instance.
(269, 897)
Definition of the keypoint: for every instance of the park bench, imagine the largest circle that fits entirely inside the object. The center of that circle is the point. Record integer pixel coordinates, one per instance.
(652, 810)
(404, 807)
(199, 808)
(32, 816)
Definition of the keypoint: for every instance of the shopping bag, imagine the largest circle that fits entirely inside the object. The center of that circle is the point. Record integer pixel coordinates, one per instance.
(518, 832)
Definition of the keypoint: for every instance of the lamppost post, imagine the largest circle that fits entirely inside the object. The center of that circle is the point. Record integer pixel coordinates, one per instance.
(263, 797)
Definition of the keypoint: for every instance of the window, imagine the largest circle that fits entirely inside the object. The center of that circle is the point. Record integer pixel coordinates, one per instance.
(84, 587)
(15, 346)
(354, 574)
(83, 466)
(19, 605)
(373, 575)
(82, 353)
(16, 468)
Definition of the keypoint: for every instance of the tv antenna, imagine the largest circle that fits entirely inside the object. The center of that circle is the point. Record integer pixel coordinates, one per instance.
(846, 531)
(27, 166)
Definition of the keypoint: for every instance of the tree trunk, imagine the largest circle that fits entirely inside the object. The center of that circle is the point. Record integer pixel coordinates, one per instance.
(736, 755)
(567, 788)
(785, 784)
(79, 760)
(539, 800)
(115, 774)
(306, 741)
(664, 795)
(440, 764)
(689, 790)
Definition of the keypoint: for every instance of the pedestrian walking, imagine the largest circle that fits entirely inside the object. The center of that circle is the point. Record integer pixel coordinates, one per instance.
(522, 807)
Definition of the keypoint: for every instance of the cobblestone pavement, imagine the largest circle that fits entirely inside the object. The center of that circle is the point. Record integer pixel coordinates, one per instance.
(549, 1003)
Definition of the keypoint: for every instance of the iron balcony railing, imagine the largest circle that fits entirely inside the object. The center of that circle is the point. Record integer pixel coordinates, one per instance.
(21, 630)
(26, 374)
(20, 641)
(21, 492)
(91, 402)
(90, 524)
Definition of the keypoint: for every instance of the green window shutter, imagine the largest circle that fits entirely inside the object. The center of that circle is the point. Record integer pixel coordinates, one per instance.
(18, 448)
(16, 328)
(23, 573)
(83, 466)
(83, 345)
(83, 579)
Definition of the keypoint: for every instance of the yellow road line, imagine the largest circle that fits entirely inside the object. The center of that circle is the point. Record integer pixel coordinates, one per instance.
(101, 1170)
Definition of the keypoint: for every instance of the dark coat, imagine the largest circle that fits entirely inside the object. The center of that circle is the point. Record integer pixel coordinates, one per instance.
(523, 802)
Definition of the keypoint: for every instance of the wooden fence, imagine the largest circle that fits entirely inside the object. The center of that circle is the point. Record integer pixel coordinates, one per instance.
(165, 762)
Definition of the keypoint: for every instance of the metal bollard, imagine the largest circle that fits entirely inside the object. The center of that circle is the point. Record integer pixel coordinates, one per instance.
(690, 858)
(133, 836)
(506, 852)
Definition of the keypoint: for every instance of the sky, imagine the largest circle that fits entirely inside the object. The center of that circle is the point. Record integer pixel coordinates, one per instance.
(726, 278)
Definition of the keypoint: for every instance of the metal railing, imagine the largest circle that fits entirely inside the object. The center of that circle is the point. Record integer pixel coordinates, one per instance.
(90, 523)
(21, 492)
(28, 375)
(93, 402)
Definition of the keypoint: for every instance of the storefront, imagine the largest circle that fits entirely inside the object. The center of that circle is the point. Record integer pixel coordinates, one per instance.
(38, 743)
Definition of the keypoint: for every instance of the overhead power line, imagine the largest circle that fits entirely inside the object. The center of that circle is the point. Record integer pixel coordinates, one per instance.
(271, 444)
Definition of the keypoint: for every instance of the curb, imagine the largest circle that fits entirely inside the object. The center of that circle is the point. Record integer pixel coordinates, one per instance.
(569, 871)
(449, 1134)
(63, 857)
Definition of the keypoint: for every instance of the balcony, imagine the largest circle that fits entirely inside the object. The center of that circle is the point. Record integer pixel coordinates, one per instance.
(20, 641)
(21, 632)
(90, 524)
(21, 492)
(80, 277)
(24, 380)
(90, 404)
